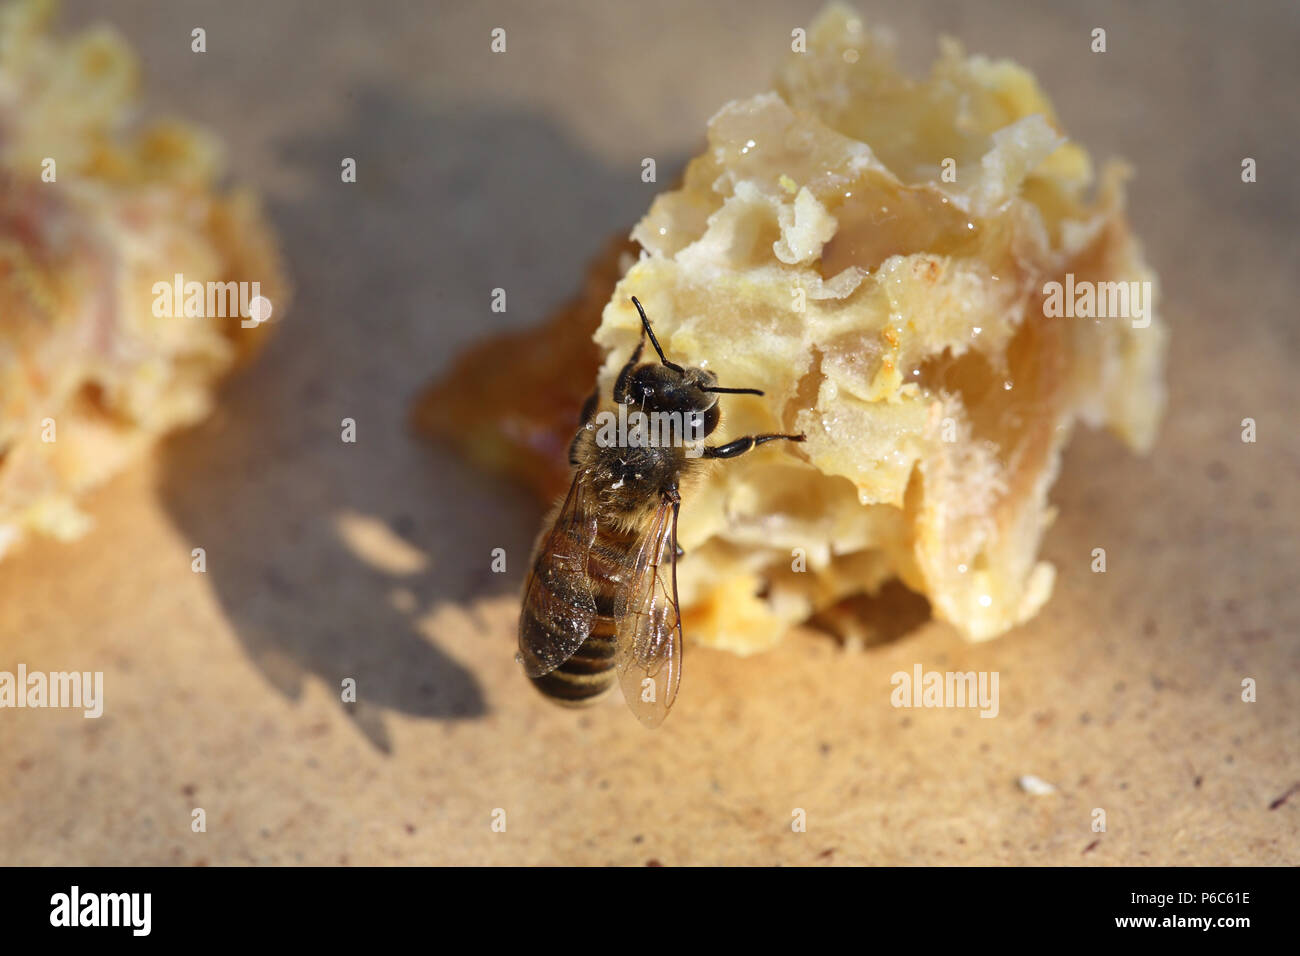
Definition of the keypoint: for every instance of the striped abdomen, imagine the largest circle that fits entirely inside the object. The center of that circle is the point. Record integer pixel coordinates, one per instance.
(590, 672)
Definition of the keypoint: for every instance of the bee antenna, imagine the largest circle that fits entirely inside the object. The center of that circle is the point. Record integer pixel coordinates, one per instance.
(733, 391)
(645, 324)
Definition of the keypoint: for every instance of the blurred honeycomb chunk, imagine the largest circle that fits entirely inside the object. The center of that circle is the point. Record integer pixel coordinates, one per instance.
(97, 213)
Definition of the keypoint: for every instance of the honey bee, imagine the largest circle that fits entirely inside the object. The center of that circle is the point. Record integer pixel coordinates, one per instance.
(600, 600)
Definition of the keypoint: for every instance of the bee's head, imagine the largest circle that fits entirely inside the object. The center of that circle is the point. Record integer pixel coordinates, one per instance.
(669, 387)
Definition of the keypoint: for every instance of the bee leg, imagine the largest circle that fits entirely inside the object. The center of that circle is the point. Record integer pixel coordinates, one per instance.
(589, 407)
(588, 410)
(620, 383)
(739, 446)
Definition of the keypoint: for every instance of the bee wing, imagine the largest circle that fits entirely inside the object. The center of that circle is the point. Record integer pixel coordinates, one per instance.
(559, 603)
(648, 627)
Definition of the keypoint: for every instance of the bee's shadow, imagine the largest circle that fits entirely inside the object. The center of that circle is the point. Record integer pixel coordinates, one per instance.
(392, 274)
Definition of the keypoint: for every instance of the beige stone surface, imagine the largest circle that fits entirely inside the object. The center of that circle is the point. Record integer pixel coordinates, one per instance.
(370, 560)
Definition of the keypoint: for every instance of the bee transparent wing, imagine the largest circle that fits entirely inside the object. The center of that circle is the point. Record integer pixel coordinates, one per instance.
(648, 627)
(559, 603)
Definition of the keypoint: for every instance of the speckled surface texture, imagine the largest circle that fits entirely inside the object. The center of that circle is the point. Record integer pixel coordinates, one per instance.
(370, 560)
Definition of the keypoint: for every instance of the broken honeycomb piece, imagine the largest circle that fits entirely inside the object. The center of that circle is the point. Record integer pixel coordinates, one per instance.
(876, 253)
(817, 251)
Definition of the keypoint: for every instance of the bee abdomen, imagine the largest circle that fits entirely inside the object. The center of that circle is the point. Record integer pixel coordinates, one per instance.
(586, 675)
(590, 672)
